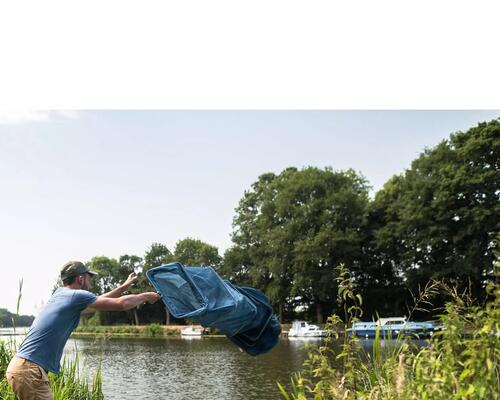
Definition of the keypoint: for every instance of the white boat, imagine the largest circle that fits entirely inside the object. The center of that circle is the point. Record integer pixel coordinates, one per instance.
(303, 329)
(191, 331)
(392, 327)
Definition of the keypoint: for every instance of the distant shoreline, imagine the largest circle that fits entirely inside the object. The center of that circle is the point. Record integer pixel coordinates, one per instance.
(139, 331)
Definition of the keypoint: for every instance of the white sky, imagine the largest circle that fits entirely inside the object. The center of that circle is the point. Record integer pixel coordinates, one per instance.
(79, 184)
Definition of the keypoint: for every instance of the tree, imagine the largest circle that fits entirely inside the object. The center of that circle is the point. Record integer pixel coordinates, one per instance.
(327, 210)
(440, 218)
(194, 252)
(109, 273)
(112, 273)
(380, 280)
(7, 318)
(156, 255)
(291, 231)
(129, 264)
(248, 262)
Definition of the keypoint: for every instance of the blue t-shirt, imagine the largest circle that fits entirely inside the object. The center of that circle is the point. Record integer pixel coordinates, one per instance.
(44, 343)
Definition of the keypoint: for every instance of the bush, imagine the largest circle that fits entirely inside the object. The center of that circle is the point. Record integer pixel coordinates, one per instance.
(154, 330)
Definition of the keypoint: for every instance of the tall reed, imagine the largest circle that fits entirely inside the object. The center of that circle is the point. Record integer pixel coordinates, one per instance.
(68, 385)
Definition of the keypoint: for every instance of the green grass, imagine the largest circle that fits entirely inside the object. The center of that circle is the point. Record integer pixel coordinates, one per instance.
(151, 331)
(68, 385)
(453, 366)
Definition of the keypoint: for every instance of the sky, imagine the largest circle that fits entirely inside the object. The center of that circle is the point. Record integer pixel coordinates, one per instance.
(78, 184)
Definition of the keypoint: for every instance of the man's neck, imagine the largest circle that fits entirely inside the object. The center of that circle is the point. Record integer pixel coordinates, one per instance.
(73, 286)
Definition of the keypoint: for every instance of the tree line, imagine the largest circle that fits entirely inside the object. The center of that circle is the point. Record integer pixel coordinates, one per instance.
(9, 320)
(439, 219)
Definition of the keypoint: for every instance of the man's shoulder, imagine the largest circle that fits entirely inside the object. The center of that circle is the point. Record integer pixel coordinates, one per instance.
(75, 295)
(85, 294)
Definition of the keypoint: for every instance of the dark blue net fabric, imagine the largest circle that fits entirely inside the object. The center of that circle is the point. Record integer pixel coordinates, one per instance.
(243, 314)
(179, 293)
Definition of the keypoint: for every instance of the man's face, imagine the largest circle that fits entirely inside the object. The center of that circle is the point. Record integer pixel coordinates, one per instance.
(87, 282)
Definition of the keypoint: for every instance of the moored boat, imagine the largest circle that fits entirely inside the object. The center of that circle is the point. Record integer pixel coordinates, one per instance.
(392, 327)
(191, 331)
(304, 329)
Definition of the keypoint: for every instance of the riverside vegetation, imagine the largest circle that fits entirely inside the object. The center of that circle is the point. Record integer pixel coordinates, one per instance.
(69, 384)
(460, 362)
(152, 330)
(452, 366)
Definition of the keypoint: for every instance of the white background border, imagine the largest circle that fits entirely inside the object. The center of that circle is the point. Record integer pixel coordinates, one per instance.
(249, 55)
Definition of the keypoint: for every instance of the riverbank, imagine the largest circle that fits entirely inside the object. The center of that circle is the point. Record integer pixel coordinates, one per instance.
(146, 331)
(143, 331)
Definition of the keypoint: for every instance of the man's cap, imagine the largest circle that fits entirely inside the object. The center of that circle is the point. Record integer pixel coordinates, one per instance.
(74, 268)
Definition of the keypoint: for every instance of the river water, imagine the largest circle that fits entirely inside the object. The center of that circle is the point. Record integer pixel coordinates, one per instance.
(186, 368)
(178, 368)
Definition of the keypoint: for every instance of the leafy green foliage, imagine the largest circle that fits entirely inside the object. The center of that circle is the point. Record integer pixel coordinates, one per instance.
(194, 252)
(157, 255)
(154, 330)
(291, 230)
(440, 218)
(109, 271)
(6, 319)
(460, 362)
(112, 273)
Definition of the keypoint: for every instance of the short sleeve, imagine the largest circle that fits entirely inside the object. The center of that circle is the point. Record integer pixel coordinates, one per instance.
(82, 298)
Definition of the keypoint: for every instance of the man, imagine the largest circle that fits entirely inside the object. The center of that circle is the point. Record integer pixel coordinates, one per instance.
(42, 349)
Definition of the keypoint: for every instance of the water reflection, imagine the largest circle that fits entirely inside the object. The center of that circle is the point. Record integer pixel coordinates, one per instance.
(175, 368)
(391, 344)
(6, 332)
(192, 337)
(302, 340)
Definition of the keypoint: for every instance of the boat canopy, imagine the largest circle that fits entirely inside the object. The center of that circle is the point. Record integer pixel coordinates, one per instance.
(243, 314)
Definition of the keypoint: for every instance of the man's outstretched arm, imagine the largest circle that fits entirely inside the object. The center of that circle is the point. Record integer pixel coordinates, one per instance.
(121, 303)
(132, 278)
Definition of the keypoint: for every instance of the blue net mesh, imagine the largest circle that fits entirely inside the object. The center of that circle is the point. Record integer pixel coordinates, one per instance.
(244, 314)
